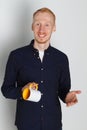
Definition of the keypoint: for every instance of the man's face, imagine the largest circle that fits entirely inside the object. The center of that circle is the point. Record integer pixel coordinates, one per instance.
(43, 26)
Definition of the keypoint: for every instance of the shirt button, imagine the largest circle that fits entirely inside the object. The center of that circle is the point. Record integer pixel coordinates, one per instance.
(42, 94)
(42, 106)
(41, 68)
(36, 50)
(41, 81)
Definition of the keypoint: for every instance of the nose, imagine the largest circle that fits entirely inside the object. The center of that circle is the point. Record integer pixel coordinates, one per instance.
(41, 28)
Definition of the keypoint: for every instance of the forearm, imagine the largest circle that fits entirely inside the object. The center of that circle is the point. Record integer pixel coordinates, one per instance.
(11, 91)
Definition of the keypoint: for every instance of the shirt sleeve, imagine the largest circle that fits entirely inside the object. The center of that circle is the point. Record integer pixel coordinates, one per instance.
(9, 87)
(65, 80)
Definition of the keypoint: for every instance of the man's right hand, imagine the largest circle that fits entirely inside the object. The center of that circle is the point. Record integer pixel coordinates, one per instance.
(30, 85)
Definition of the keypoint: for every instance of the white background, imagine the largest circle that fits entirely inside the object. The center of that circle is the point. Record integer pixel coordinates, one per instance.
(70, 37)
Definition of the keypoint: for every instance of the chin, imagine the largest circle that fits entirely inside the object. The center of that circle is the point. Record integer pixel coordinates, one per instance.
(42, 41)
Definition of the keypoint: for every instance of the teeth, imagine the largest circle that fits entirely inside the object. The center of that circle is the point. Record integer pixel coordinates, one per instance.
(41, 35)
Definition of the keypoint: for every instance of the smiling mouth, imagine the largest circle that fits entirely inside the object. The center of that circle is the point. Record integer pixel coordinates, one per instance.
(41, 35)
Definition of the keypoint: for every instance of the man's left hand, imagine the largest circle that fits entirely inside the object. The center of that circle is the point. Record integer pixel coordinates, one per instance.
(71, 98)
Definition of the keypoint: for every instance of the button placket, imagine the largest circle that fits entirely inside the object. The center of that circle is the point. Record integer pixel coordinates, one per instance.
(42, 71)
(36, 54)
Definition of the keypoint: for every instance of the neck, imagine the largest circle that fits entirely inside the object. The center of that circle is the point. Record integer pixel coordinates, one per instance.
(41, 46)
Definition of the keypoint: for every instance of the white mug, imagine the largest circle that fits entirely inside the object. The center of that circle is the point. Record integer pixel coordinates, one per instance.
(33, 95)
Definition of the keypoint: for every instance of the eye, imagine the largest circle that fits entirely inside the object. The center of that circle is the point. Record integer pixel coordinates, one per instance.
(47, 25)
(37, 24)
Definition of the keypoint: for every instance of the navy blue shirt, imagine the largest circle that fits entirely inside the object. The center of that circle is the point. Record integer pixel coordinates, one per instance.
(53, 77)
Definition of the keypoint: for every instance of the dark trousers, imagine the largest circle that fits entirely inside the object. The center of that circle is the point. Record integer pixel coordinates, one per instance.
(23, 129)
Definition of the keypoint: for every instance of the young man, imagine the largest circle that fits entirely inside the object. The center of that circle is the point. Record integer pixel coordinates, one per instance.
(39, 62)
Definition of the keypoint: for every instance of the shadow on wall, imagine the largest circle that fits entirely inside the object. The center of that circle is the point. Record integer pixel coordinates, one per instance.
(14, 33)
(14, 30)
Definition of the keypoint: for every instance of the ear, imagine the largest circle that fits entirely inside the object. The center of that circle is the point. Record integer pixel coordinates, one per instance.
(54, 28)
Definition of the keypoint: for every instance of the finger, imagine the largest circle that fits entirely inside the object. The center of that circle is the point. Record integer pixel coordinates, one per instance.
(70, 97)
(24, 87)
(71, 103)
(33, 85)
(77, 91)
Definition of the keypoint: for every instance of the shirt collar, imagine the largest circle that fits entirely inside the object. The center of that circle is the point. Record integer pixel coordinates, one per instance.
(35, 50)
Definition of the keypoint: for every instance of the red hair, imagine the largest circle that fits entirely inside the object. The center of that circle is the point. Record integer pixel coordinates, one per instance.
(42, 10)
